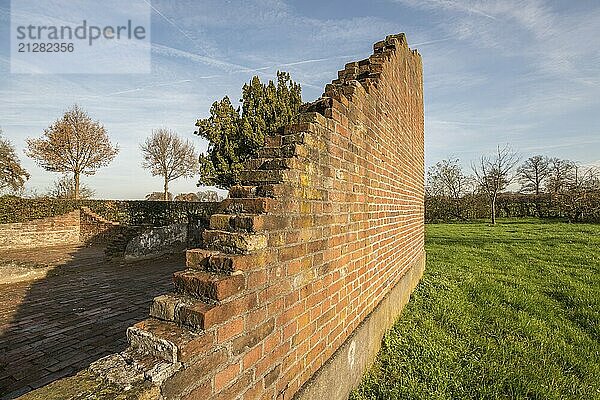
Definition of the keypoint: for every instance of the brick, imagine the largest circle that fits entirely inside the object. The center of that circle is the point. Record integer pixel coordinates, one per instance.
(221, 313)
(252, 205)
(287, 150)
(239, 191)
(281, 163)
(252, 338)
(219, 262)
(272, 376)
(256, 317)
(202, 284)
(272, 341)
(193, 315)
(233, 242)
(252, 356)
(181, 309)
(201, 392)
(184, 381)
(273, 141)
(259, 177)
(296, 138)
(254, 392)
(277, 190)
(198, 258)
(164, 307)
(226, 376)
(290, 330)
(237, 223)
(303, 334)
(270, 394)
(230, 329)
(236, 388)
(289, 253)
(166, 340)
(257, 279)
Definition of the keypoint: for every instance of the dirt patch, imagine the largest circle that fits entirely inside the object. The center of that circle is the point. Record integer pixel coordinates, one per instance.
(26, 265)
(12, 271)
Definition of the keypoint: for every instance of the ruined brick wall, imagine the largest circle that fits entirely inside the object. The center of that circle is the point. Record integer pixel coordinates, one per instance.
(95, 229)
(80, 226)
(51, 231)
(328, 221)
(85, 226)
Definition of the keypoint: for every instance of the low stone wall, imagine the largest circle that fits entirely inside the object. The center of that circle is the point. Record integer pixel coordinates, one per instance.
(87, 226)
(52, 231)
(156, 241)
(127, 212)
(139, 242)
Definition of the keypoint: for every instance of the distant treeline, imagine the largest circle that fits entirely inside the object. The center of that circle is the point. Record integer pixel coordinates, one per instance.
(549, 188)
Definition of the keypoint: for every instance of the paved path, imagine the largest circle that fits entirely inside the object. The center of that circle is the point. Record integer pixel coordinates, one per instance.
(56, 326)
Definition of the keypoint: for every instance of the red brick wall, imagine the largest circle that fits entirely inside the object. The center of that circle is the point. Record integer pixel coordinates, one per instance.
(52, 231)
(80, 226)
(328, 220)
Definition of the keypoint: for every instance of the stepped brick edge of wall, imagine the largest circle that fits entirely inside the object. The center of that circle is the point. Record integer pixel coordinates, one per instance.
(306, 263)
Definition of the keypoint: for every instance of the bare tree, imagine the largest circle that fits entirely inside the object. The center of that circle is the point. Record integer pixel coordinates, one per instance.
(494, 174)
(446, 179)
(64, 188)
(73, 144)
(167, 155)
(561, 175)
(158, 196)
(585, 178)
(581, 193)
(12, 175)
(208, 195)
(533, 174)
(188, 197)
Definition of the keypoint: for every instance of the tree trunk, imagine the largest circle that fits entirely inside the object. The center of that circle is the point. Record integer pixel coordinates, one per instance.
(166, 189)
(76, 179)
(493, 211)
(458, 210)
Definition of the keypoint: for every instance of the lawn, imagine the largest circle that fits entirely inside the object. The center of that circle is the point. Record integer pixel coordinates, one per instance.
(503, 312)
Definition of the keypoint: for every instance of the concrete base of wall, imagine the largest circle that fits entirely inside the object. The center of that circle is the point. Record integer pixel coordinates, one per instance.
(344, 370)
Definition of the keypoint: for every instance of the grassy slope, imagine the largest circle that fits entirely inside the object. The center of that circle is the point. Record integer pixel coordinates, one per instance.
(505, 312)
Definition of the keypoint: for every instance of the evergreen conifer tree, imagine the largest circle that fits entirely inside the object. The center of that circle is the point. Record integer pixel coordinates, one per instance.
(234, 135)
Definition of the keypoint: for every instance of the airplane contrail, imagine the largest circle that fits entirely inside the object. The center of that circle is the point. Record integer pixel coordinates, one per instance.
(430, 42)
(138, 89)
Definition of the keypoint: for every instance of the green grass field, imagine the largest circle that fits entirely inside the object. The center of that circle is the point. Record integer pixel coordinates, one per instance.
(504, 312)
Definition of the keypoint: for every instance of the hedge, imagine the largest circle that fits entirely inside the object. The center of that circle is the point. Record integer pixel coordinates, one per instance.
(127, 212)
(583, 206)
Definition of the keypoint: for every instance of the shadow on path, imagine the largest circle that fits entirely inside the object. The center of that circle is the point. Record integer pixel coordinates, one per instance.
(56, 326)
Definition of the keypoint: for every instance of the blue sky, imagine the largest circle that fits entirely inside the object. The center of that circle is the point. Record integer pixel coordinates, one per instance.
(499, 71)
